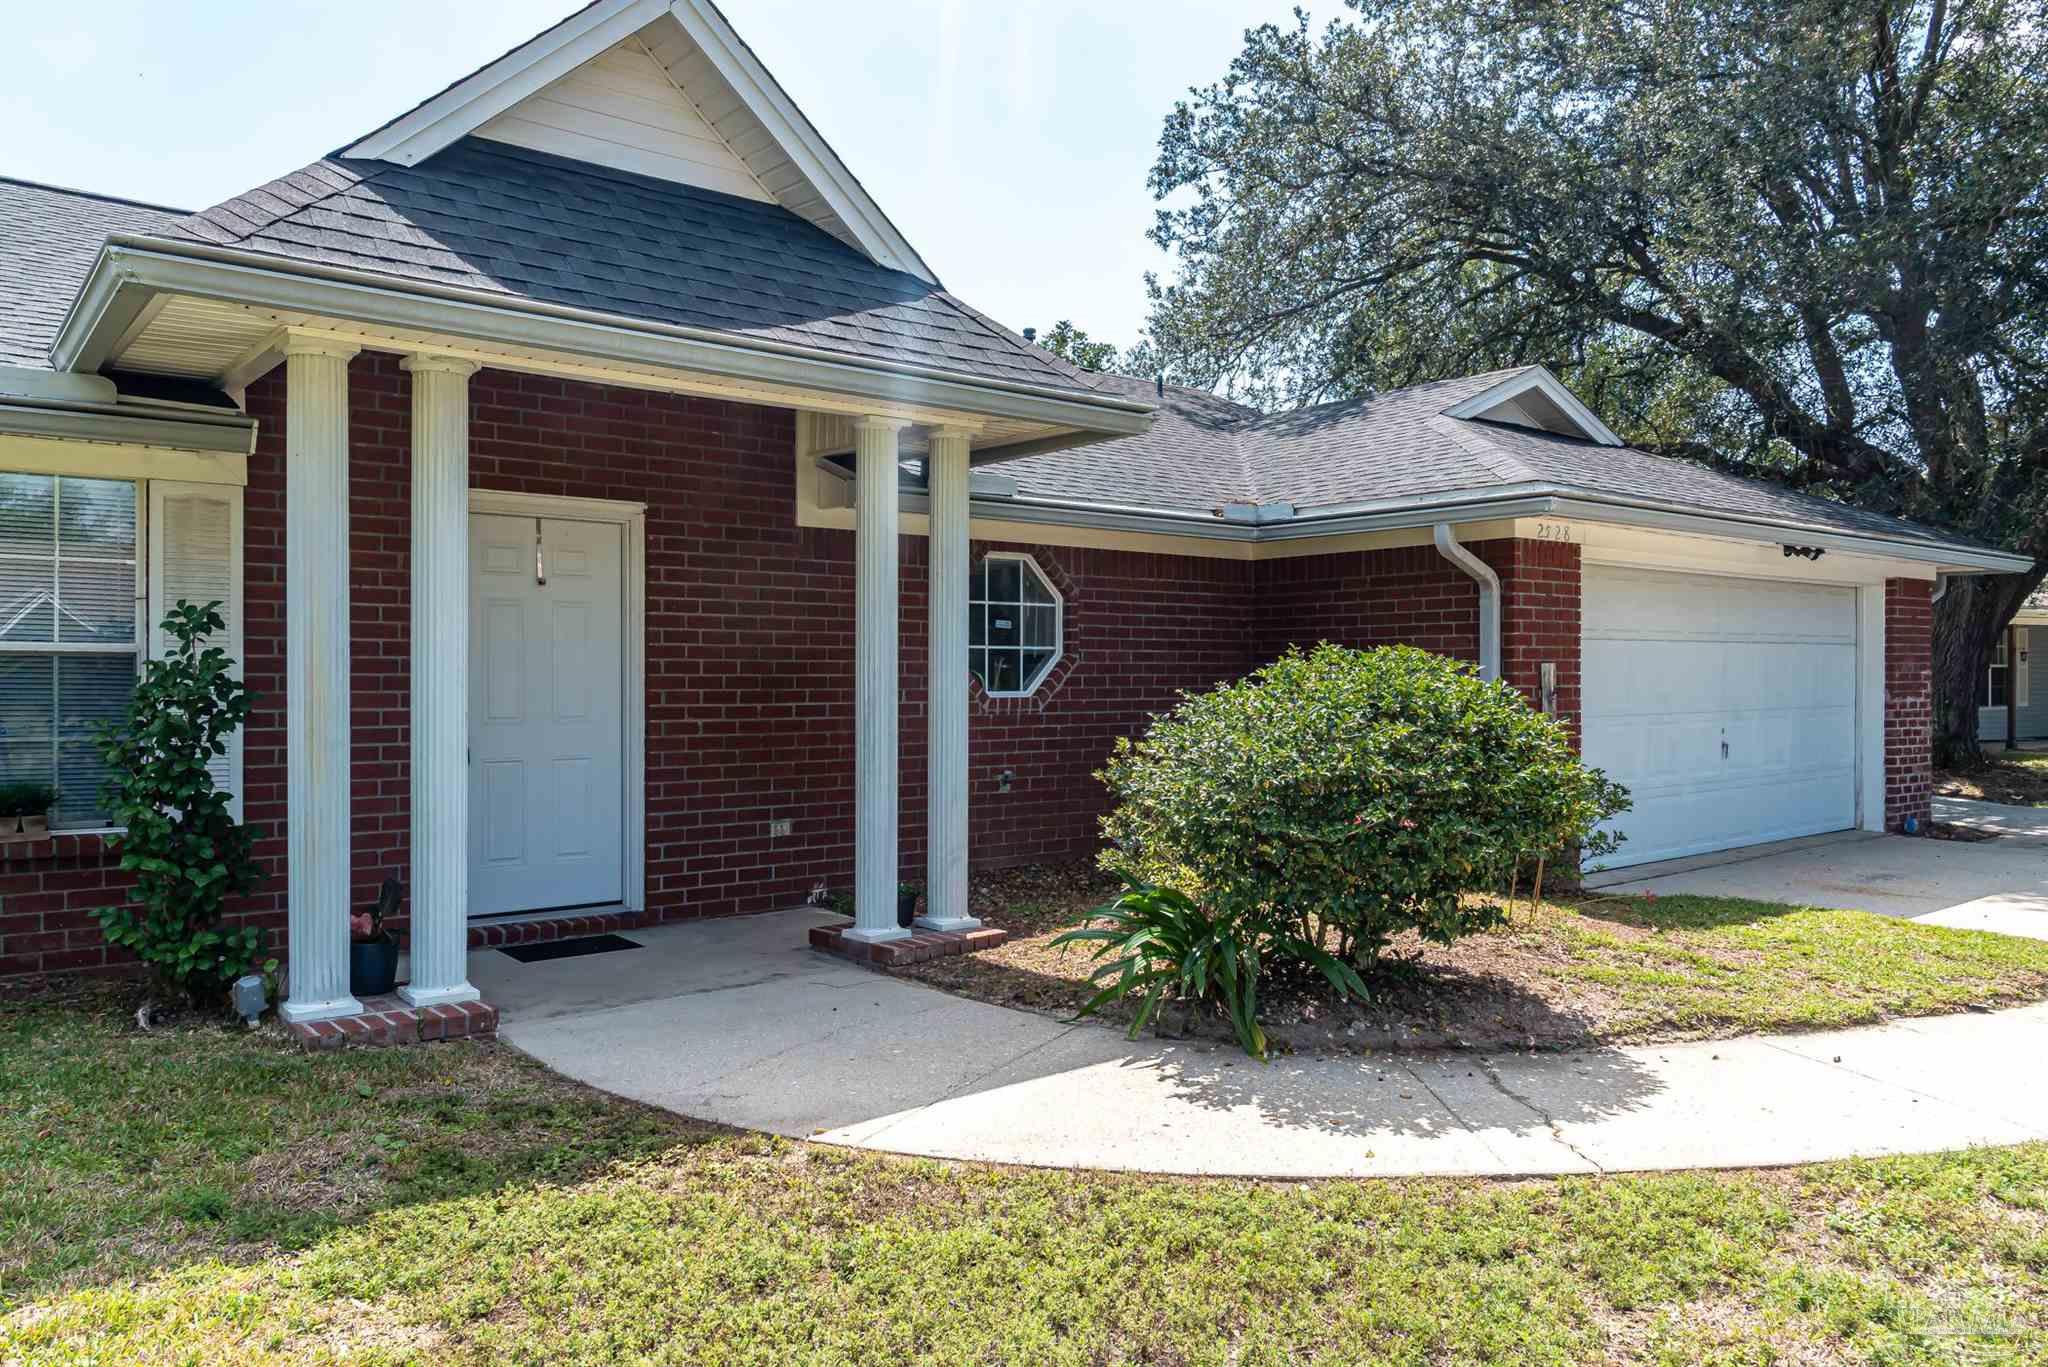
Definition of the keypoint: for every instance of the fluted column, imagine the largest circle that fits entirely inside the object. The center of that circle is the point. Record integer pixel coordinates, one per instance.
(945, 887)
(440, 681)
(876, 445)
(317, 678)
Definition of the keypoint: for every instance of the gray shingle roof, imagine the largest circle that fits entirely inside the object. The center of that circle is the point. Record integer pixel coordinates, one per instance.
(1204, 452)
(526, 224)
(49, 239)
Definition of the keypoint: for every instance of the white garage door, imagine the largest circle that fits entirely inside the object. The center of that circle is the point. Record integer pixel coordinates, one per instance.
(1727, 706)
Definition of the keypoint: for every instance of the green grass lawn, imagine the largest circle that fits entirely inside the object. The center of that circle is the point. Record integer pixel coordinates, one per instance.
(1584, 971)
(206, 1195)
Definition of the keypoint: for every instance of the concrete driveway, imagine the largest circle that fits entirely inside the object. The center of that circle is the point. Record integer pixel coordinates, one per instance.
(1999, 884)
(738, 1022)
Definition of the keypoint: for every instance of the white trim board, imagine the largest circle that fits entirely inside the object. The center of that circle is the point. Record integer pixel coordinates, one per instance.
(1502, 402)
(631, 518)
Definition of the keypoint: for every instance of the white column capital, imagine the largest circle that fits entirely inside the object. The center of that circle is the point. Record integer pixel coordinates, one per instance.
(296, 343)
(876, 423)
(949, 432)
(432, 363)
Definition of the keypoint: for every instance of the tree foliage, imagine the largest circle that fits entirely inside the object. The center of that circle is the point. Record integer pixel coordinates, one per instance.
(1070, 343)
(186, 850)
(1801, 239)
(1343, 796)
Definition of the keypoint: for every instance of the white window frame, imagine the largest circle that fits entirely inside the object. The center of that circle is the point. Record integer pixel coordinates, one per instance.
(151, 592)
(1059, 622)
(135, 651)
(2017, 688)
(1998, 661)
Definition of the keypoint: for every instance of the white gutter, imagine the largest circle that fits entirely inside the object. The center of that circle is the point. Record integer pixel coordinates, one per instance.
(130, 268)
(1489, 598)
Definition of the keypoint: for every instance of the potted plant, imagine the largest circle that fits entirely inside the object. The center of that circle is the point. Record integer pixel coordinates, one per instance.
(25, 809)
(373, 950)
(906, 903)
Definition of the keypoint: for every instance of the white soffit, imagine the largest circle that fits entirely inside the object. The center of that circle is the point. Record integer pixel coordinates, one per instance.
(587, 89)
(1536, 398)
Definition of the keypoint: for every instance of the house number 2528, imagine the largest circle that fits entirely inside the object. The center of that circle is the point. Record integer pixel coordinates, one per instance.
(1553, 531)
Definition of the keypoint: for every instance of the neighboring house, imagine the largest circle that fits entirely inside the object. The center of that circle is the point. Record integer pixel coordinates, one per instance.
(611, 510)
(2011, 677)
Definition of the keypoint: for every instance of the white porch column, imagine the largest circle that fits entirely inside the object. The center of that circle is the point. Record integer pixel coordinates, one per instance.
(945, 887)
(317, 678)
(875, 446)
(440, 681)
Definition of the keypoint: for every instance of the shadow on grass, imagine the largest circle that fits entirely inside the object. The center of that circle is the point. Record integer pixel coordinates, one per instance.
(124, 1154)
(1679, 912)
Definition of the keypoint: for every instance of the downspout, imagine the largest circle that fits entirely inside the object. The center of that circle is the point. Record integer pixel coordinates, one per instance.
(1940, 590)
(1489, 598)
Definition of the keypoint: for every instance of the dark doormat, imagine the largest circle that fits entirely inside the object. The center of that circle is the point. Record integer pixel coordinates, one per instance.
(543, 950)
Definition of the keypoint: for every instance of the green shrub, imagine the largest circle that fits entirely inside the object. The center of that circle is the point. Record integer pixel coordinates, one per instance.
(188, 854)
(1159, 940)
(26, 799)
(1350, 795)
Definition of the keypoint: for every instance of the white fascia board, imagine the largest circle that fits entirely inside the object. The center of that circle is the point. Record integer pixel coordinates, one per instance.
(1509, 502)
(1947, 557)
(477, 99)
(770, 104)
(1539, 378)
(130, 270)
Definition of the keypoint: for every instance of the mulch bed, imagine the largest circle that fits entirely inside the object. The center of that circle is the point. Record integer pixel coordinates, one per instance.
(2018, 782)
(1486, 992)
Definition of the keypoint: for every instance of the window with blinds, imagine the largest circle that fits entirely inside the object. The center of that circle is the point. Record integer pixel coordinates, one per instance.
(87, 567)
(68, 637)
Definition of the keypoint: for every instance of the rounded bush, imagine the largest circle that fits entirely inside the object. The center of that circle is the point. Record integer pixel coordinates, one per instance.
(1352, 794)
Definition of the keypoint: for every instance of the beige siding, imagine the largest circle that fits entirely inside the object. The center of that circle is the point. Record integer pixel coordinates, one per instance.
(622, 110)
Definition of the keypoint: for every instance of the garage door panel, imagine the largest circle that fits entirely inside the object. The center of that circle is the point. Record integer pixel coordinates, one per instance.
(1727, 707)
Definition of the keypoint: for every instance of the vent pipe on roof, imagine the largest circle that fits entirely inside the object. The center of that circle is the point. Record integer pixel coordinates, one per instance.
(1489, 598)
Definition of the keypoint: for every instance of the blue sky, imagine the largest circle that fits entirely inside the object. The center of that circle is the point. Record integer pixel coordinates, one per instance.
(1009, 142)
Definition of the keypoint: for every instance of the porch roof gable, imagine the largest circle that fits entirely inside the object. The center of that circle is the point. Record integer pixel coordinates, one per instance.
(530, 225)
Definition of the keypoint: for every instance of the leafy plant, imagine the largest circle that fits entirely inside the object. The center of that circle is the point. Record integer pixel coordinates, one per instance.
(1344, 796)
(26, 799)
(367, 927)
(1160, 941)
(188, 854)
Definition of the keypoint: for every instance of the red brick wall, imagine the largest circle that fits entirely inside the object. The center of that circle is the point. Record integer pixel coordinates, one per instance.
(1408, 595)
(1908, 701)
(749, 655)
(1540, 599)
(1411, 595)
(750, 643)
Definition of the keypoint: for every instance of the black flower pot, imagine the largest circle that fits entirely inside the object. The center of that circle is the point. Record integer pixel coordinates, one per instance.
(906, 909)
(372, 967)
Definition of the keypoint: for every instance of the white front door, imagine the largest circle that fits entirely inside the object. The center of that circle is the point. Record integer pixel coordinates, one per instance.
(546, 699)
(1726, 706)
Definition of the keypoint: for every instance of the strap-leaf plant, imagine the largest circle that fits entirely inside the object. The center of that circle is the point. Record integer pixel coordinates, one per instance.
(186, 851)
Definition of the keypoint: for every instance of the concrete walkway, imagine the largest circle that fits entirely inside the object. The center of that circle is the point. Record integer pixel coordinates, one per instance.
(1999, 885)
(733, 1021)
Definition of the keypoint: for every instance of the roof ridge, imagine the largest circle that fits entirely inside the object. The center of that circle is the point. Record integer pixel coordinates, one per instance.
(103, 198)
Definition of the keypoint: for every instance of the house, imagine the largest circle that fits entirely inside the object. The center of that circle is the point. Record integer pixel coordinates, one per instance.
(617, 519)
(2012, 682)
